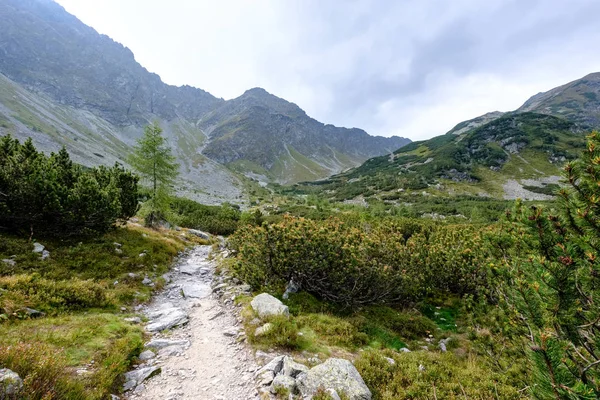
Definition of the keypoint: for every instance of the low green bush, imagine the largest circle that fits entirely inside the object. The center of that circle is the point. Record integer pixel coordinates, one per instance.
(354, 266)
(218, 220)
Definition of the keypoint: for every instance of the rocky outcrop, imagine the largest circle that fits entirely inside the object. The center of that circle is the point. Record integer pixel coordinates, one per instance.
(337, 374)
(266, 305)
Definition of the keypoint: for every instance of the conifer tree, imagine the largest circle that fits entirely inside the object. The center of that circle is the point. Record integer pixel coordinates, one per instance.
(153, 160)
(553, 283)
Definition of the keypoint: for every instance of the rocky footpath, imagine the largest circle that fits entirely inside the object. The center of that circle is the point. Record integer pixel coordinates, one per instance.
(196, 350)
(198, 347)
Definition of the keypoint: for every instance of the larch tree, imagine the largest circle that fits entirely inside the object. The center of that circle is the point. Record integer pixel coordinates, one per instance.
(154, 162)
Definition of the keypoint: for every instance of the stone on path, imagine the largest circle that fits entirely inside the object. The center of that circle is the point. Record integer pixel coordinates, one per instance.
(162, 343)
(167, 319)
(137, 376)
(195, 290)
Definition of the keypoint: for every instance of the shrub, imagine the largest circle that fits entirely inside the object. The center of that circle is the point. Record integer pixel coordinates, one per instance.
(394, 263)
(218, 220)
(51, 195)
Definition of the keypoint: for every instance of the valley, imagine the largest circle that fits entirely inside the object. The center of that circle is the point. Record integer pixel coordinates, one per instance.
(159, 242)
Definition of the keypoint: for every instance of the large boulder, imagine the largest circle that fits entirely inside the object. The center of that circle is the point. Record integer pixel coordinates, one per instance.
(10, 383)
(266, 305)
(337, 374)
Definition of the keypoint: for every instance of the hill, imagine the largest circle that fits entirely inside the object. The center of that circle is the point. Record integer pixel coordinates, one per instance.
(65, 84)
(503, 155)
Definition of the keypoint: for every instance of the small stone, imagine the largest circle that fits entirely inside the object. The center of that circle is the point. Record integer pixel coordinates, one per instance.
(142, 255)
(38, 248)
(146, 355)
(147, 281)
(45, 254)
(9, 262)
(263, 329)
(10, 382)
(133, 320)
(391, 361)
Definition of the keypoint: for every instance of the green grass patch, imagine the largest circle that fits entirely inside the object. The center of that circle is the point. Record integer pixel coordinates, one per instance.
(47, 352)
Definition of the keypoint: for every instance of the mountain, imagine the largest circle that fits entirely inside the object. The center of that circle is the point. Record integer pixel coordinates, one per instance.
(577, 101)
(62, 83)
(276, 139)
(510, 155)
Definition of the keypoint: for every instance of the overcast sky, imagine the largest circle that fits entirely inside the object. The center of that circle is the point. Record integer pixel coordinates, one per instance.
(392, 67)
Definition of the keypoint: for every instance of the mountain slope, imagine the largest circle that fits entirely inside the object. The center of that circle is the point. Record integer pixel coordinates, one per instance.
(267, 130)
(510, 155)
(81, 89)
(577, 101)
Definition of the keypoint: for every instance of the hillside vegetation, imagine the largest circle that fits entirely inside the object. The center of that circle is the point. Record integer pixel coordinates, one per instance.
(480, 161)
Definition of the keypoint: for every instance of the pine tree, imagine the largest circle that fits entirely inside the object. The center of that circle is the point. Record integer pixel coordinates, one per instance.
(153, 160)
(553, 283)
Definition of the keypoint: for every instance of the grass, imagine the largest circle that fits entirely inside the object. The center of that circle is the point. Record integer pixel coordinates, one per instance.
(429, 375)
(82, 289)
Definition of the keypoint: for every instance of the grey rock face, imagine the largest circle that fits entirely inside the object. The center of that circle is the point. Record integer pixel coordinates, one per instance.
(283, 382)
(136, 377)
(167, 319)
(337, 374)
(200, 234)
(291, 288)
(9, 262)
(266, 305)
(10, 382)
(162, 343)
(292, 368)
(195, 290)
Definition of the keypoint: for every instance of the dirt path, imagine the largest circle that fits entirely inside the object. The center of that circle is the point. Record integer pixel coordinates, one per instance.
(212, 365)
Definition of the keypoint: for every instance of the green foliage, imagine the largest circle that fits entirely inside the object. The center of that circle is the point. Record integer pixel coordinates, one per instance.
(43, 351)
(49, 295)
(153, 160)
(53, 196)
(392, 263)
(218, 220)
(428, 375)
(552, 275)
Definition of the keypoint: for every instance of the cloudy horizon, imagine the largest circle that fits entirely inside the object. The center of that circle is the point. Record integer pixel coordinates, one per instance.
(391, 68)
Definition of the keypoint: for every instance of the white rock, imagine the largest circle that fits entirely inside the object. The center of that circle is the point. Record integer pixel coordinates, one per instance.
(266, 305)
(38, 247)
(263, 329)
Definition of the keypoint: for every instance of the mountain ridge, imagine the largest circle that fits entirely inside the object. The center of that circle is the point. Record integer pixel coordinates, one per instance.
(516, 154)
(73, 83)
